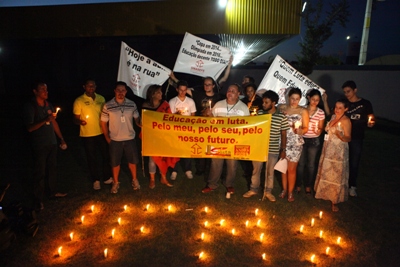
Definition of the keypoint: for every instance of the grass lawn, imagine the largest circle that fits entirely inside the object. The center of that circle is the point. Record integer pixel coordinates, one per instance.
(368, 225)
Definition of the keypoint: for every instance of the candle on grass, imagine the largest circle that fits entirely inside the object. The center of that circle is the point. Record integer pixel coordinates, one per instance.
(105, 253)
(169, 207)
(119, 220)
(256, 212)
(221, 222)
(206, 209)
(202, 236)
(147, 207)
(320, 233)
(312, 258)
(301, 228)
(312, 222)
(320, 214)
(247, 223)
(233, 231)
(205, 223)
(201, 255)
(59, 251)
(264, 256)
(82, 218)
(71, 235)
(125, 207)
(327, 250)
(142, 229)
(338, 240)
(261, 237)
(112, 233)
(92, 208)
(259, 222)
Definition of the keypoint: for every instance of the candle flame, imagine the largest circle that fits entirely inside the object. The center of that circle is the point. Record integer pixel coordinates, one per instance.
(125, 207)
(233, 231)
(92, 208)
(112, 233)
(202, 236)
(258, 222)
(169, 207)
(119, 220)
(247, 223)
(57, 110)
(264, 256)
(320, 214)
(312, 222)
(312, 258)
(301, 228)
(206, 223)
(338, 240)
(59, 251)
(261, 237)
(142, 229)
(71, 236)
(105, 253)
(320, 233)
(82, 218)
(147, 206)
(206, 209)
(256, 212)
(327, 250)
(201, 255)
(221, 222)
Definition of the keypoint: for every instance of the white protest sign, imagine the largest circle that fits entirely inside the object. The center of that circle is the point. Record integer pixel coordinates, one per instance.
(282, 75)
(139, 71)
(201, 57)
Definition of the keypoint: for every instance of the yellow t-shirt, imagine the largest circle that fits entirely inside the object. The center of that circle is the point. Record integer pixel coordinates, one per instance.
(89, 111)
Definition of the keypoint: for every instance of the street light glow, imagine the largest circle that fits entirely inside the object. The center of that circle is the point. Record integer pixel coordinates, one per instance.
(222, 3)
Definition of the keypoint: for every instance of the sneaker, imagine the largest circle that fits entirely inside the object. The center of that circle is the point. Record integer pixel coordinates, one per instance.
(189, 174)
(230, 190)
(109, 181)
(270, 196)
(352, 191)
(173, 176)
(114, 188)
(96, 185)
(249, 193)
(135, 184)
(207, 189)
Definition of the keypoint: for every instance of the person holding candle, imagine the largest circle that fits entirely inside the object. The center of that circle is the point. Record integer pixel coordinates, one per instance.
(229, 107)
(277, 147)
(306, 170)
(43, 130)
(117, 124)
(155, 102)
(362, 116)
(185, 106)
(87, 110)
(298, 121)
(333, 169)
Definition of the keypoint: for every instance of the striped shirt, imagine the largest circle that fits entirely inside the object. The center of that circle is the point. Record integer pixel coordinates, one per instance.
(120, 119)
(319, 115)
(278, 123)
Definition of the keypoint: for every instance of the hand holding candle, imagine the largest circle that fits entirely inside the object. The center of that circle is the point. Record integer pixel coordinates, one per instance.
(371, 121)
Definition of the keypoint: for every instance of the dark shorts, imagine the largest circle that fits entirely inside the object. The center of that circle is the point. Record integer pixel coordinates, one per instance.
(118, 148)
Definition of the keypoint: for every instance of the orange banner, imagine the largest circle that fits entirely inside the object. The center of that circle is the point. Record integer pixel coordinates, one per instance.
(173, 135)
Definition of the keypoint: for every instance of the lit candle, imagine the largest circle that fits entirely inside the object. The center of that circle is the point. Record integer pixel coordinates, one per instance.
(202, 236)
(221, 222)
(264, 256)
(57, 110)
(338, 240)
(142, 229)
(247, 223)
(147, 207)
(369, 119)
(233, 231)
(297, 124)
(256, 212)
(301, 228)
(320, 233)
(82, 218)
(59, 251)
(320, 214)
(92, 208)
(261, 237)
(169, 207)
(119, 220)
(112, 233)
(125, 207)
(206, 209)
(87, 116)
(105, 253)
(206, 223)
(209, 104)
(327, 250)
(258, 222)
(71, 236)
(312, 222)
(201, 255)
(254, 112)
(312, 258)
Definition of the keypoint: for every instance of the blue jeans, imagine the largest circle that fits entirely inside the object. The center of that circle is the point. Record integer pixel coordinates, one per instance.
(355, 149)
(306, 170)
(95, 145)
(216, 171)
(269, 173)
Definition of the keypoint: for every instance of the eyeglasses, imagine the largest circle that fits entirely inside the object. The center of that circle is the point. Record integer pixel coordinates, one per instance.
(210, 84)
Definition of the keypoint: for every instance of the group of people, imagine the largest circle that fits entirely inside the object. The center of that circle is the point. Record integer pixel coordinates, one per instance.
(107, 130)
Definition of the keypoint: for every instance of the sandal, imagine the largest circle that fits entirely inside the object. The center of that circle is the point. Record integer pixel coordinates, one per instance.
(290, 197)
(282, 194)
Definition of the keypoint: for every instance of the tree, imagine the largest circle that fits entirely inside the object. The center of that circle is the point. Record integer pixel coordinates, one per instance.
(318, 30)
